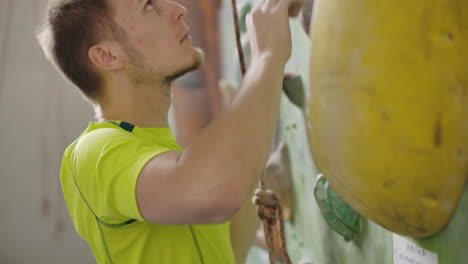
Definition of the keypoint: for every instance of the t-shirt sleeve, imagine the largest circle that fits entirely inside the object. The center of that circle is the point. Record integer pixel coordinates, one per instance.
(111, 161)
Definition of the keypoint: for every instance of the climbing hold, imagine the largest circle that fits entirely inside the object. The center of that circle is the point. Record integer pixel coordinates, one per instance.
(387, 114)
(293, 87)
(306, 16)
(339, 215)
(278, 177)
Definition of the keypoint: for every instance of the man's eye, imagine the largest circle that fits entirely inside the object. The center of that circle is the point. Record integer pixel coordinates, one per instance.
(149, 5)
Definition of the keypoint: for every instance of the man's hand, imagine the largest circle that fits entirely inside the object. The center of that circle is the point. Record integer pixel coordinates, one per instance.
(264, 41)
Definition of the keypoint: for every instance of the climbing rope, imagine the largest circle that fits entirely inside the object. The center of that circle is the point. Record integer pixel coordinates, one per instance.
(271, 216)
(238, 37)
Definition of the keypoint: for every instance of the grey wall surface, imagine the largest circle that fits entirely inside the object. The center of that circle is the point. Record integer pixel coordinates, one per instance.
(40, 114)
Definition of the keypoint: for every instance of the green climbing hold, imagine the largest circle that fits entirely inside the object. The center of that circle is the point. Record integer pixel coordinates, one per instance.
(339, 215)
(293, 87)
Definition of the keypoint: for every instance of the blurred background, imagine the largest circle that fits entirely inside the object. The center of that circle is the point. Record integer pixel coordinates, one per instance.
(41, 114)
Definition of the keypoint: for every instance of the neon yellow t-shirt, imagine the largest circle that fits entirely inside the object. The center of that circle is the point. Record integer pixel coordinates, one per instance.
(99, 175)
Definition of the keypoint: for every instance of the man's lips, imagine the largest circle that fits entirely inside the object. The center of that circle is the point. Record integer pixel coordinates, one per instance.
(185, 36)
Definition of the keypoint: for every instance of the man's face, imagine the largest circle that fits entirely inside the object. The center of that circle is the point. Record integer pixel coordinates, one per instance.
(157, 41)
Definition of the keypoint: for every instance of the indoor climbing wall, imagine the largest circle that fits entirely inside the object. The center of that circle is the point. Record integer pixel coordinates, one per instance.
(310, 238)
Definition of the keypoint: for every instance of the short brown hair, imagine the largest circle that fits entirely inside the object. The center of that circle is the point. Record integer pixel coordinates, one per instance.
(70, 29)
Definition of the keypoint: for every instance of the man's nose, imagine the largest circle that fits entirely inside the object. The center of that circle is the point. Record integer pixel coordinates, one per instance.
(178, 12)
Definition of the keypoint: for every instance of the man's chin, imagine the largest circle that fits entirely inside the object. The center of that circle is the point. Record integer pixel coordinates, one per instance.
(198, 59)
(197, 62)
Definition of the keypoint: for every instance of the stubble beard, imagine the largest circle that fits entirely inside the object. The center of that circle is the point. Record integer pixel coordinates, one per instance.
(195, 65)
(144, 74)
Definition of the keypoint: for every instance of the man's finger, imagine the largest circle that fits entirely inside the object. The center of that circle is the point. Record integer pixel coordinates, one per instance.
(284, 3)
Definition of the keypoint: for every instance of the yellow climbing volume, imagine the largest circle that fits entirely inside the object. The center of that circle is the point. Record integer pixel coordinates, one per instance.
(388, 108)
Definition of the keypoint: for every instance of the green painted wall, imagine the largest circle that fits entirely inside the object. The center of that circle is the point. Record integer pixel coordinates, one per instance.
(309, 237)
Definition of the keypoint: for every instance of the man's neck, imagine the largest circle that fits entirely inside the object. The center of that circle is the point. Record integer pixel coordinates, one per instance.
(140, 106)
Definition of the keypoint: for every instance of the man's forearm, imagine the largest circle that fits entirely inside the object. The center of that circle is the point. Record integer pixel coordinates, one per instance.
(232, 151)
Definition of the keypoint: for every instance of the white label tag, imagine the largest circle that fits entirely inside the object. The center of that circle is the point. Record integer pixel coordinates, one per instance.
(406, 252)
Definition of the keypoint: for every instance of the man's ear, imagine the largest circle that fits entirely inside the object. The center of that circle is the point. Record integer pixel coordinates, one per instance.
(106, 55)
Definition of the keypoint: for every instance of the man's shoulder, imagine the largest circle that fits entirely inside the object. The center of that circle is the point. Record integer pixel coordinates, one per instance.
(93, 143)
(102, 137)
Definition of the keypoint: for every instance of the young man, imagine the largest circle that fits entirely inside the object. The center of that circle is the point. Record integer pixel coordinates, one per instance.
(133, 194)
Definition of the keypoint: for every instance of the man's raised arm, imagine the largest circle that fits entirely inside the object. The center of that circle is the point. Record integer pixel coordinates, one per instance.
(208, 182)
